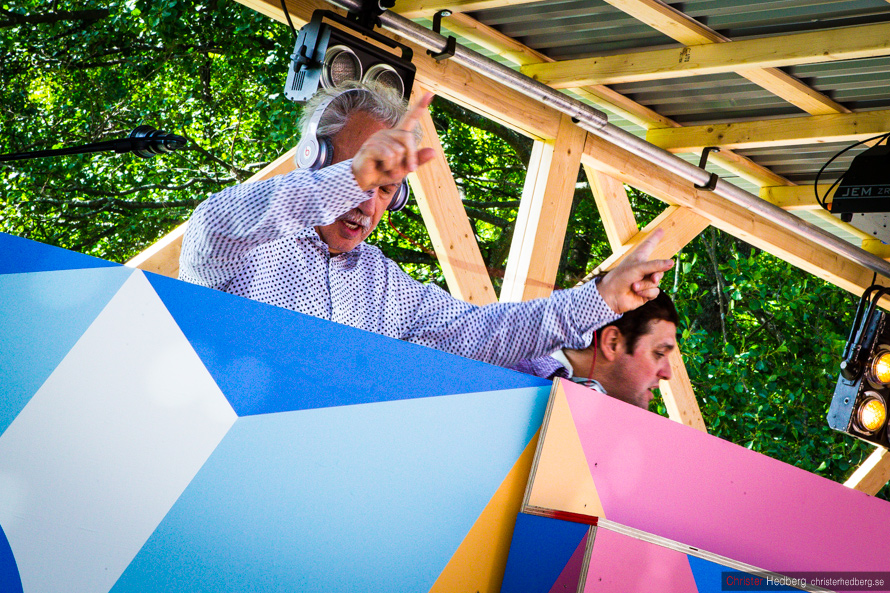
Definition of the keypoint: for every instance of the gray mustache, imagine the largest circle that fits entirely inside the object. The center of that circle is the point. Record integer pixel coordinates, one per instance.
(355, 216)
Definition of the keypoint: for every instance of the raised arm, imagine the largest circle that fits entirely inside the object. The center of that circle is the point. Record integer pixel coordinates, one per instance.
(232, 222)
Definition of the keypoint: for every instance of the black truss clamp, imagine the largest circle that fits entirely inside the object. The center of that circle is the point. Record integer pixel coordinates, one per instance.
(712, 180)
(450, 44)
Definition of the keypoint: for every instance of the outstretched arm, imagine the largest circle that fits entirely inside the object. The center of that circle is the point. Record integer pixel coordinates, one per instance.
(505, 333)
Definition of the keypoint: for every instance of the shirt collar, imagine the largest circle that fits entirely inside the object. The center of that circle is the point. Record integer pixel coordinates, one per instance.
(560, 356)
(349, 259)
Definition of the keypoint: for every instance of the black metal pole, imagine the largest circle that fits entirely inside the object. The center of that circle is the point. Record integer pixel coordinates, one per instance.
(144, 141)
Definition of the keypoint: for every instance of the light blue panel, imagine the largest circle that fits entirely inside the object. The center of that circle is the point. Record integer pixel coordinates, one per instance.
(370, 497)
(42, 315)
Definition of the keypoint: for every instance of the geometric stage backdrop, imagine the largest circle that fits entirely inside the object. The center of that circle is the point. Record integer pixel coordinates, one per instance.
(161, 436)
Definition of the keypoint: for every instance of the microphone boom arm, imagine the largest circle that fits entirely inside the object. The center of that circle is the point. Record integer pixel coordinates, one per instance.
(143, 141)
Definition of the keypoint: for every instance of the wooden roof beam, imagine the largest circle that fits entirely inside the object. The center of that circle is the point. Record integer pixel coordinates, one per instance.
(848, 43)
(874, 472)
(689, 32)
(447, 224)
(727, 216)
(614, 208)
(508, 48)
(415, 9)
(602, 96)
(654, 13)
(792, 131)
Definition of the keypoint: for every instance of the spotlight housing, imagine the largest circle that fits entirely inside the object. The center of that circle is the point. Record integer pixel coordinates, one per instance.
(865, 186)
(326, 55)
(340, 65)
(859, 404)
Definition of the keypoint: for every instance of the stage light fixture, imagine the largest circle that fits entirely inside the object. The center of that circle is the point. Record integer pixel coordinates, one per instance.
(340, 65)
(871, 414)
(328, 56)
(865, 186)
(859, 404)
(880, 368)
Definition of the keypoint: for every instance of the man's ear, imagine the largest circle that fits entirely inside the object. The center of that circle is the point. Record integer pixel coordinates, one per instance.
(611, 342)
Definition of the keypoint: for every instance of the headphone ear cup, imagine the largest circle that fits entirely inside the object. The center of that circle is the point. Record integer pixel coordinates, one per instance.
(314, 153)
(307, 152)
(400, 198)
(325, 153)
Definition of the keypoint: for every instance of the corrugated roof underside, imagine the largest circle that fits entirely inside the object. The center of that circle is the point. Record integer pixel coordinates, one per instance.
(568, 29)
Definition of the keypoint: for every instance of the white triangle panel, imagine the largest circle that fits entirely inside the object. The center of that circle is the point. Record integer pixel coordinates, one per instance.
(104, 449)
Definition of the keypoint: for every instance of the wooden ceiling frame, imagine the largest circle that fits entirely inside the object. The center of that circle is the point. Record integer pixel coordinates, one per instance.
(502, 104)
(688, 31)
(791, 131)
(794, 49)
(604, 97)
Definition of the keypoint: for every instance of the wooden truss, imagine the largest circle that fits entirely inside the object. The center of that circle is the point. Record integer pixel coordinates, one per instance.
(561, 147)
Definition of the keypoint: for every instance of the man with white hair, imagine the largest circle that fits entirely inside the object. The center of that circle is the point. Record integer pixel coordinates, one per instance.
(297, 241)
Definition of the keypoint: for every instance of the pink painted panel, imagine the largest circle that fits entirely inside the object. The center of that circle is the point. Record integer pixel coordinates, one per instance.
(673, 481)
(570, 577)
(623, 564)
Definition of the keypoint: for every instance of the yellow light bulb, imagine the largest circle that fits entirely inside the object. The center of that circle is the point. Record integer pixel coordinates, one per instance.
(880, 367)
(872, 414)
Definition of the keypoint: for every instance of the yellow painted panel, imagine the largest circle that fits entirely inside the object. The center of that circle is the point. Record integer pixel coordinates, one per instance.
(562, 479)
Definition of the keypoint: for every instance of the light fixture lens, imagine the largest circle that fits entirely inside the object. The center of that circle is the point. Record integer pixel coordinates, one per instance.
(872, 414)
(880, 367)
(340, 65)
(386, 75)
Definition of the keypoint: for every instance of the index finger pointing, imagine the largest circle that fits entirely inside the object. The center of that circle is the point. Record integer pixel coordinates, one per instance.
(648, 245)
(410, 119)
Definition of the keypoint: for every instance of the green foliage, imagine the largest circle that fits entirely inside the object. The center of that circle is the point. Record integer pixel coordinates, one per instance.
(73, 75)
(762, 342)
(761, 339)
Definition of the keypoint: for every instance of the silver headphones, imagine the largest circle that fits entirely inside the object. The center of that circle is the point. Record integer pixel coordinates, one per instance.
(315, 152)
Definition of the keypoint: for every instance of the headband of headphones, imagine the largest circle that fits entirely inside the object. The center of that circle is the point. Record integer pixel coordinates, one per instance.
(315, 152)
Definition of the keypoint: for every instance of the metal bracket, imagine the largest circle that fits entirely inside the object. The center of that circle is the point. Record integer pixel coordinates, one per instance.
(712, 180)
(368, 15)
(450, 44)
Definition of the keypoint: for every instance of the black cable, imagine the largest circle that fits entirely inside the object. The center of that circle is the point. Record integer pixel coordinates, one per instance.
(287, 16)
(821, 199)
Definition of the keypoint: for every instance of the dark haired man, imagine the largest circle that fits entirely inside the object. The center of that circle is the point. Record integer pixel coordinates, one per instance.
(627, 358)
(297, 241)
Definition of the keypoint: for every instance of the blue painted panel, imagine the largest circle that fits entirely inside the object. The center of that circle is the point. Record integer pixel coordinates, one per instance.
(540, 550)
(19, 255)
(716, 578)
(10, 581)
(43, 314)
(268, 359)
(373, 497)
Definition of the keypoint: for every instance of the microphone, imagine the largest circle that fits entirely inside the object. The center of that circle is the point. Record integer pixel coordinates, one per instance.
(146, 142)
(143, 141)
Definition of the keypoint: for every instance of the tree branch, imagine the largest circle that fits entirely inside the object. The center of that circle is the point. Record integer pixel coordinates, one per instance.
(52, 17)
